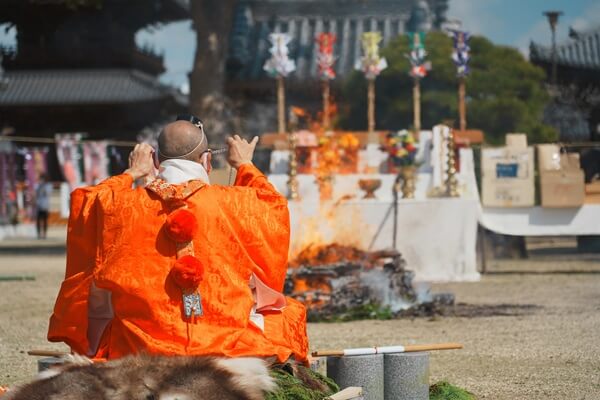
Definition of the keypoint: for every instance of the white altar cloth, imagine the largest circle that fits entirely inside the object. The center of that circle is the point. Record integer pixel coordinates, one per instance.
(437, 237)
(538, 221)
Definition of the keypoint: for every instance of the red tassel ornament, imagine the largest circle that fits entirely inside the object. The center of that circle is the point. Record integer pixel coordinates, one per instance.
(181, 225)
(187, 272)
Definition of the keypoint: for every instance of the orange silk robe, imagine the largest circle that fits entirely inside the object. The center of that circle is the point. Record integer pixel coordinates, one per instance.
(116, 243)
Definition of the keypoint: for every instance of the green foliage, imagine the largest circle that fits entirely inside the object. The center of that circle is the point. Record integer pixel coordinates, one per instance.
(445, 391)
(365, 311)
(290, 387)
(505, 92)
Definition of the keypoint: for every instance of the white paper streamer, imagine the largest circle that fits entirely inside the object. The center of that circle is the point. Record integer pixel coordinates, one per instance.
(365, 351)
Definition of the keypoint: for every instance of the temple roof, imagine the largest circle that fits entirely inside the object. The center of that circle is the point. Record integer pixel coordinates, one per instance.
(582, 52)
(158, 11)
(304, 19)
(82, 87)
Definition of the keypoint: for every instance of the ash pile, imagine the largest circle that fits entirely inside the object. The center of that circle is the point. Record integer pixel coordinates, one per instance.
(337, 282)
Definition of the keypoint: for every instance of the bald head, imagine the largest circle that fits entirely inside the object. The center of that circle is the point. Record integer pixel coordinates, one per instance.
(183, 140)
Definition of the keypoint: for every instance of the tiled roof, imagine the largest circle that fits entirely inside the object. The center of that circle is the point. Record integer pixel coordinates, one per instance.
(94, 86)
(583, 52)
(303, 20)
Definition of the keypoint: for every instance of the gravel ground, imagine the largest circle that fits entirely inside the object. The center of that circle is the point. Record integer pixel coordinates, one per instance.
(543, 352)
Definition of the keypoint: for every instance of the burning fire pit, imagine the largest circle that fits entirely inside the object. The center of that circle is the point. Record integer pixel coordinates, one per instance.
(335, 280)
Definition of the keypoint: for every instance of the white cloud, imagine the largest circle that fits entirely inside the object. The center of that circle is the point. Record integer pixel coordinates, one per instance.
(474, 15)
(589, 19)
(540, 31)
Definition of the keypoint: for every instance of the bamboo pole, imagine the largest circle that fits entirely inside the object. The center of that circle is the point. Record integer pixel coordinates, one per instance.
(462, 106)
(371, 111)
(417, 105)
(326, 120)
(280, 105)
(352, 392)
(47, 353)
(387, 350)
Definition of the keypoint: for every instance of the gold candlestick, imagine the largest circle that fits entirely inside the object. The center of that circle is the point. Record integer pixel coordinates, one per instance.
(451, 180)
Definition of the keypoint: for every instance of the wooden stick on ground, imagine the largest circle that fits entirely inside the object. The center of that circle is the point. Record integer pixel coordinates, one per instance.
(351, 392)
(387, 350)
(47, 353)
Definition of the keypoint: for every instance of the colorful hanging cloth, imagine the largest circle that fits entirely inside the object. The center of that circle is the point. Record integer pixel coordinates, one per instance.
(279, 65)
(461, 53)
(325, 58)
(371, 64)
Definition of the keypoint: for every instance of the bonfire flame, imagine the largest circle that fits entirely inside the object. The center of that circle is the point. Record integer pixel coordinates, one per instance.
(334, 253)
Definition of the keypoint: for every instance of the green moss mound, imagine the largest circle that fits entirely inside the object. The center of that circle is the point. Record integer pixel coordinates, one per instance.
(446, 391)
(358, 313)
(303, 384)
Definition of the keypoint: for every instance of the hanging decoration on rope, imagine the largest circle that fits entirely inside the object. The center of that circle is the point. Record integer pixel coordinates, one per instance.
(279, 66)
(461, 53)
(325, 62)
(69, 154)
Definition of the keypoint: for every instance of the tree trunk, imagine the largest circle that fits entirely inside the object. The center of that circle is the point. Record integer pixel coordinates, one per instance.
(212, 21)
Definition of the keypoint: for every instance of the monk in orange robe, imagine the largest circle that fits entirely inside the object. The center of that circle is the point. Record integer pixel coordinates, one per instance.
(179, 266)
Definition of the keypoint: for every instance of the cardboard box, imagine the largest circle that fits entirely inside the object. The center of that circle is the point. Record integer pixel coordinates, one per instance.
(516, 140)
(507, 177)
(592, 193)
(548, 157)
(562, 189)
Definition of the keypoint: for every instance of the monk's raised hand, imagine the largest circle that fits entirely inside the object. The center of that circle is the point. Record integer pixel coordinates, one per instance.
(141, 161)
(240, 150)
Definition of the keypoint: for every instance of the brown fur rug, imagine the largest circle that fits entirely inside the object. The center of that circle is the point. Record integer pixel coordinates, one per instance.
(146, 377)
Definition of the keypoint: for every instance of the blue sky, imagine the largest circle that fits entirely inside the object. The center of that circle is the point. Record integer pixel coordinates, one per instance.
(507, 22)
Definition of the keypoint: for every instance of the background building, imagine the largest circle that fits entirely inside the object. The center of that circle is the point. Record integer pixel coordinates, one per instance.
(254, 90)
(575, 111)
(78, 69)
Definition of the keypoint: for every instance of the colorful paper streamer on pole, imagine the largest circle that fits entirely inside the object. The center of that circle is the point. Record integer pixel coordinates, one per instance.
(371, 64)
(325, 58)
(279, 65)
(461, 53)
(419, 66)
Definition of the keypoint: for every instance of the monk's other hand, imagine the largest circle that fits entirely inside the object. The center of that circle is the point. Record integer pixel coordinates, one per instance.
(240, 151)
(141, 161)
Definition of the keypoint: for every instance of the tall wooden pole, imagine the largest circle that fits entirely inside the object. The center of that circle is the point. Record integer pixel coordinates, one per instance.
(462, 106)
(417, 105)
(280, 105)
(371, 111)
(326, 120)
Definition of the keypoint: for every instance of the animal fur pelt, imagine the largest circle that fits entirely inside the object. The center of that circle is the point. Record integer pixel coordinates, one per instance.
(146, 377)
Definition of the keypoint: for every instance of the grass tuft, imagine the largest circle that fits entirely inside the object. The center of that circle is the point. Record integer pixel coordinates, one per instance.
(445, 391)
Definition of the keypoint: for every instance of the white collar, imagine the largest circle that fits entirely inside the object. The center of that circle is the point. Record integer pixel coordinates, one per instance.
(178, 171)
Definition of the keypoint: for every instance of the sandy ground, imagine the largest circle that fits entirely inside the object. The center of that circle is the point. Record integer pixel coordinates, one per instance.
(551, 351)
